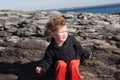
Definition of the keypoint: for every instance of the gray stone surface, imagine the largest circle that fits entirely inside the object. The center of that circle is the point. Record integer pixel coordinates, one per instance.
(23, 43)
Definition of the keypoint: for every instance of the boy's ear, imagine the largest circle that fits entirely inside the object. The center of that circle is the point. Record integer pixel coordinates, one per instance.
(51, 33)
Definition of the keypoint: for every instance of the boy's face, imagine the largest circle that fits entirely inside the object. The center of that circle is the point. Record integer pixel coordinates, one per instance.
(61, 35)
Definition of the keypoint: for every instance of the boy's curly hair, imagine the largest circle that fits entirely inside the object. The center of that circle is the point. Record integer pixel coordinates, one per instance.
(55, 24)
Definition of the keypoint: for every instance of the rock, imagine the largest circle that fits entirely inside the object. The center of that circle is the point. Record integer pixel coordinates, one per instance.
(116, 37)
(88, 76)
(105, 46)
(13, 39)
(4, 34)
(117, 75)
(69, 16)
(54, 13)
(33, 44)
(8, 77)
(41, 22)
(118, 44)
(23, 43)
(2, 48)
(114, 28)
(116, 51)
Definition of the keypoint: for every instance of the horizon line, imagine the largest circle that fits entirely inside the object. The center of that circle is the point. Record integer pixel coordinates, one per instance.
(80, 7)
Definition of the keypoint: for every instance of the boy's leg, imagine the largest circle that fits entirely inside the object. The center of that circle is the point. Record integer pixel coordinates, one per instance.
(60, 70)
(74, 70)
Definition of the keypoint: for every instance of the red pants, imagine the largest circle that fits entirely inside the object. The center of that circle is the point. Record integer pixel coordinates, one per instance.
(71, 67)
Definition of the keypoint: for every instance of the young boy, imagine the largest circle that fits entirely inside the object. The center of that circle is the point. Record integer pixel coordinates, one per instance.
(64, 50)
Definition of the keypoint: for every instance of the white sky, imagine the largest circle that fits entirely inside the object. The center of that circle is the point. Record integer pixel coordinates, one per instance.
(30, 5)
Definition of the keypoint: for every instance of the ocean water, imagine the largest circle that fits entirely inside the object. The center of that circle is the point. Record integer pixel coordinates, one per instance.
(104, 9)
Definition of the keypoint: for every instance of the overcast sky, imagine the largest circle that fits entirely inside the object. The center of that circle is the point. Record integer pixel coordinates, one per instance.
(30, 5)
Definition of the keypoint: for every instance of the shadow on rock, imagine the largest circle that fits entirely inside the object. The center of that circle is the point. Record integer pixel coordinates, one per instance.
(25, 71)
(117, 75)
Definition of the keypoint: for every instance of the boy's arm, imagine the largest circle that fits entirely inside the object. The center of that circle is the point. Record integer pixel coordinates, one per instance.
(45, 62)
(84, 54)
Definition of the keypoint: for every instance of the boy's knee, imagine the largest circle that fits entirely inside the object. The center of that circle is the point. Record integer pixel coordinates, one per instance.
(61, 63)
(74, 63)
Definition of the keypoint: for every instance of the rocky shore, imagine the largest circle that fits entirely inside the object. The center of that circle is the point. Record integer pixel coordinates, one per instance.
(23, 42)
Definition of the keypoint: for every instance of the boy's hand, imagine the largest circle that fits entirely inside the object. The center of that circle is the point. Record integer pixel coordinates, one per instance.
(90, 56)
(38, 70)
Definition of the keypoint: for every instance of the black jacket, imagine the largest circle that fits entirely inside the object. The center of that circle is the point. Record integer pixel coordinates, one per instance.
(71, 49)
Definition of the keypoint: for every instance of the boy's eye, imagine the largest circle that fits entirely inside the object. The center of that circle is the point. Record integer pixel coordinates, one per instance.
(63, 32)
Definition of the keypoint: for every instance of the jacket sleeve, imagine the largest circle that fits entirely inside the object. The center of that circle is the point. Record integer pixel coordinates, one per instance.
(46, 61)
(82, 52)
